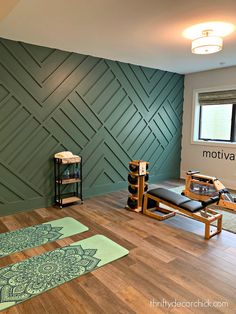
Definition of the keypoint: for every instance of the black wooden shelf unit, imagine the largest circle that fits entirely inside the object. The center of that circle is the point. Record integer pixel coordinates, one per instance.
(68, 181)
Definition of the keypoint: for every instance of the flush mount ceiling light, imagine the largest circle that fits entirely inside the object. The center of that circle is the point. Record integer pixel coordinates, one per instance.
(207, 37)
(207, 44)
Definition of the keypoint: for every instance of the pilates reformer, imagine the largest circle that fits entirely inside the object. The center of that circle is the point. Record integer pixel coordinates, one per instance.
(197, 210)
(200, 187)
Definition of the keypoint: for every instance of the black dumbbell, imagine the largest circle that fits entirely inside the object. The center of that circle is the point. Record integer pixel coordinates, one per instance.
(133, 167)
(133, 189)
(132, 202)
(132, 179)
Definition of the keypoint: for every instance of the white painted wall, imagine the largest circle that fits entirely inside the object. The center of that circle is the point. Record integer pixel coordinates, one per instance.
(192, 153)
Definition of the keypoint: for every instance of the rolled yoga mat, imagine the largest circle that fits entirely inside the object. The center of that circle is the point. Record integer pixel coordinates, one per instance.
(26, 238)
(24, 280)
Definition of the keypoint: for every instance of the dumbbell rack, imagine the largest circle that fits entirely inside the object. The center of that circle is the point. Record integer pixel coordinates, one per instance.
(137, 178)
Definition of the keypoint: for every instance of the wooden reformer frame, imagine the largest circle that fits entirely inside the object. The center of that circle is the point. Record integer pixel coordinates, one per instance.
(206, 215)
(195, 177)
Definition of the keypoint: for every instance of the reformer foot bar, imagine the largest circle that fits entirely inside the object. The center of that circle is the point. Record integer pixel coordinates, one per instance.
(194, 209)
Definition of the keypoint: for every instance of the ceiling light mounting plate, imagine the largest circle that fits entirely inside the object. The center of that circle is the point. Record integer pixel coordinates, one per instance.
(207, 32)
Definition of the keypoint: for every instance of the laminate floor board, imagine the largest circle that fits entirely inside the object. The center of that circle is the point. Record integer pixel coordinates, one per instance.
(168, 260)
(172, 288)
(140, 242)
(208, 283)
(45, 213)
(11, 223)
(181, 311)
(150, 225)
(158, 288)
(113, 280)
(195, 248)
(76, 299)
(220, 273)
(136, 300)
(145, 285)
(225, 254)
(81, 301)
(186, 285)
(231, 251)
(104, 297)
(115, 216)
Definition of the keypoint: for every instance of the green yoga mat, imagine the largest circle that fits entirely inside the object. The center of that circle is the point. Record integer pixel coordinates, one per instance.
(22, 239)
(26, 279)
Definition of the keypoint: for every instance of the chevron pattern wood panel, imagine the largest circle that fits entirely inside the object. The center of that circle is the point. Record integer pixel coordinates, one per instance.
(108, 112)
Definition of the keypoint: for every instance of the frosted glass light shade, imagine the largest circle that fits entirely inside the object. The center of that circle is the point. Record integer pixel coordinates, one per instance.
(207, 44)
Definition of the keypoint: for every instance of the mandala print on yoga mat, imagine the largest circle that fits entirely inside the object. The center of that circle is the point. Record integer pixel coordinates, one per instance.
(22, 239)
(23, 280)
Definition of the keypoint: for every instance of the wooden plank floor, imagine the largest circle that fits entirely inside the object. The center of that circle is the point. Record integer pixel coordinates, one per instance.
(168, 261)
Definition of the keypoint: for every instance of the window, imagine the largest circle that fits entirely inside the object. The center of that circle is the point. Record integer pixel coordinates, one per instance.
(215, 116)
(217, 122)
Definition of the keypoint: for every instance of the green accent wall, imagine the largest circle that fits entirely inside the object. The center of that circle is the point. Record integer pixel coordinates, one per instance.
(108, 112)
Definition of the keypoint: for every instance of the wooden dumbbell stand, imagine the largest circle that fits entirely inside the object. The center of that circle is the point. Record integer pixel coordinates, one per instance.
(139, 171)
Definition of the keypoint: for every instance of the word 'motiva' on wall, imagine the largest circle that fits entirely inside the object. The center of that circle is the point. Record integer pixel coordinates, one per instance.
(218, 155)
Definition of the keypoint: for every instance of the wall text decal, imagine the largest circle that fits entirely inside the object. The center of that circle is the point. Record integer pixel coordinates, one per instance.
(218, 155)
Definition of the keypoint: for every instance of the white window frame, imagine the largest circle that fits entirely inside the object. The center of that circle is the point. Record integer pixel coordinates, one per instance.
(196, 118)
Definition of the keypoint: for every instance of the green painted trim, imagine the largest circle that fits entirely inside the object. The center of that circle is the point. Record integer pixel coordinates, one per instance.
(13, 208)
(41, 203)
(108, 112)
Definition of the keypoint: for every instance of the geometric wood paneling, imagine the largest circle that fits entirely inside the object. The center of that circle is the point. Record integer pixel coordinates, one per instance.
(109, 112)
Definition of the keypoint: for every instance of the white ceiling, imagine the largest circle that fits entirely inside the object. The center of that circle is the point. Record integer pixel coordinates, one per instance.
(147, 32)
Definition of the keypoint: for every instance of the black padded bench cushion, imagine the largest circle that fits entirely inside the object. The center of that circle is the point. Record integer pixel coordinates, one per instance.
(169, 196)
(177, 199)
(192, 206)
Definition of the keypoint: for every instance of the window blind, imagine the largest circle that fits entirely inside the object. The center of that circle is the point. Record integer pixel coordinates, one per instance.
(217, 97)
